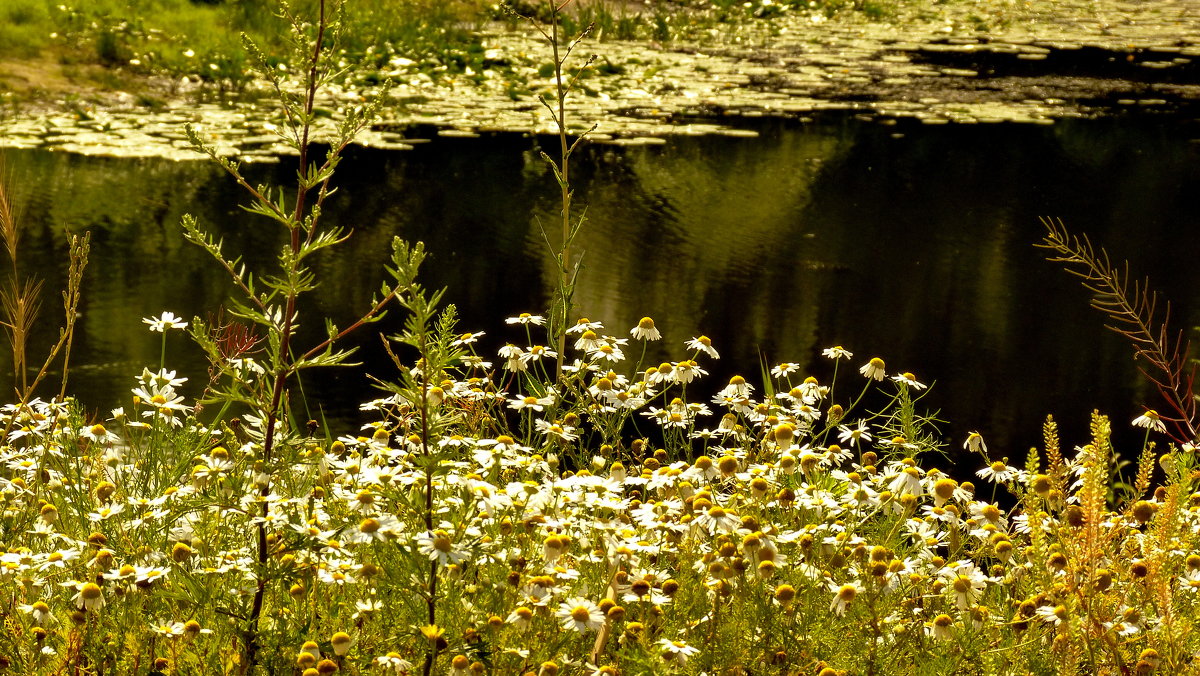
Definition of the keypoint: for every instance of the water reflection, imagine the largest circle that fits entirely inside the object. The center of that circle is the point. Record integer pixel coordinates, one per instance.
(911, 243)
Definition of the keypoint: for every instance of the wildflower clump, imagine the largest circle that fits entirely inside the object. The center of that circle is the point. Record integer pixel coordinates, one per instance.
(557, 507)
(628, 527)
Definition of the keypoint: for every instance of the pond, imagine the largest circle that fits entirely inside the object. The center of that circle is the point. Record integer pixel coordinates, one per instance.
(906, 241)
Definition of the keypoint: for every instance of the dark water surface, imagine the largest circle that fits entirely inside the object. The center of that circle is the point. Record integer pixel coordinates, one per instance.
(909, 242)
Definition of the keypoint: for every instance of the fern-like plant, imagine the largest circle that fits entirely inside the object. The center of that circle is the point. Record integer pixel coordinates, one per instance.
(1132, 311)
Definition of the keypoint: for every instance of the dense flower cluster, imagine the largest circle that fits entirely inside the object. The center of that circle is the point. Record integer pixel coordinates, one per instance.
(600, 523)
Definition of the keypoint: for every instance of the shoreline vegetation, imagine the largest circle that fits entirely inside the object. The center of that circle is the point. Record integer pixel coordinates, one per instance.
(76, 77)
(562, 507)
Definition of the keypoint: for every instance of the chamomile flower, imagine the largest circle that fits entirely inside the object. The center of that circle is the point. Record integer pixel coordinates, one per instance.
(607, 351)
(38, 610)
(964, 583)
(366, 608)
(854, 435)
(148, 575)
(1190, 581)
(166, 320)
(580, 614)
(394, 662)
(98, 434)
(530, 403)
(438, 546)
(717, 520)
(998, 473)
(90, 596)
(906, 481)
(941, 628)
(168, 629)
(584, 324)
(588, 340)
(843, 596)
(375, 529)
(521, 618)
(837, 352)
(1053, 615)
(645, 330)
(1150, 420)
(676, 652)
(975, 444)
(556, 430)
(702, 344)
(785, 369)
(909, 380)
(513, 357)
(536, 353)
(526, 319)
(686, 371)
(106, 512)
(467, 339)
(875, 369)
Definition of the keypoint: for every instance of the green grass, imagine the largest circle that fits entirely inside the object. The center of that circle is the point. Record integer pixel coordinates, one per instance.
(178, 38)
(23, 27)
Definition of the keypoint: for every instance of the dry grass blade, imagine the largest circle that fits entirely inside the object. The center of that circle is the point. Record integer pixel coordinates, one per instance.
(20, 303)
(1131, 309)
(19, 300)
(8, 218)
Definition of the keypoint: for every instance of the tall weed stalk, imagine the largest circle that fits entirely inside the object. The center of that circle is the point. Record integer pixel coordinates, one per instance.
(269, 300)
(566, 259)
(20, 302)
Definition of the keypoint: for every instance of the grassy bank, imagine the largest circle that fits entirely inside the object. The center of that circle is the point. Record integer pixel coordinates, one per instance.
(201, 40)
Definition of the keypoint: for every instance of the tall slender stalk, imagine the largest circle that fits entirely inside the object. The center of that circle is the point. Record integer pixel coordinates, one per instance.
(18, 306)
(20, 301)
(435, 352)
(567, 267)
(276, 308)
